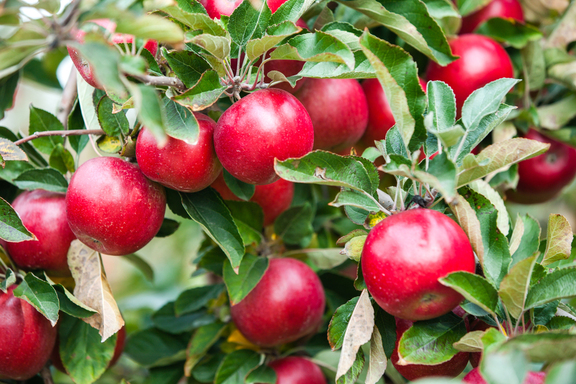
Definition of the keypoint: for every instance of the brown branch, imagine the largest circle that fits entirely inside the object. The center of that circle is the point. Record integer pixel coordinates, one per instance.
(162, 81)
(76, 132)
(68, 98)
(46, 375)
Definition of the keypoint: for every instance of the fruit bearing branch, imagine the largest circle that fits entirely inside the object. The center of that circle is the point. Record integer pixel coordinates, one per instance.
(76, 132)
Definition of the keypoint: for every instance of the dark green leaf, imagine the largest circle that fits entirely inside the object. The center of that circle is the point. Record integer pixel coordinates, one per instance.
(474, 288)
(203, 338)
(168, 227)
(141, 264)
(11, 227)
(202, 95)
(187, 65)
(150, 111)
(250, 273)
(339, 323)
(387, 326)
(154, 347)
(546, 347)
(247, 22)
(170, 374)
(194, 20)
(509, 31)
(113, 124)
(195, 298)
(48, 179)
(530, 240)
(180, 122)
(249, 218)
(41, 121)
(166, 319)
(556, 285)
(10, 279)
(236, 366)
(70, 304)
(76, 121)
(241, 189)
(262, 375)
(61, 159)
(354, 372)
(294, 225)
(8, 92)
(41, 295)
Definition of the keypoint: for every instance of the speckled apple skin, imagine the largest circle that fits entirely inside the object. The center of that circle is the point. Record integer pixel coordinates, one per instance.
(44, 214)
(405, 255)
(112, 207)
(285, 305)
(506, 9)
(264, 125)
(26, 338)
(183, 166)
(297, 370)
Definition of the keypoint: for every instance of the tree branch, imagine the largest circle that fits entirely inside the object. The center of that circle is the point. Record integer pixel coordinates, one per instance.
(76, 132)
(68, 98)
(162, 81)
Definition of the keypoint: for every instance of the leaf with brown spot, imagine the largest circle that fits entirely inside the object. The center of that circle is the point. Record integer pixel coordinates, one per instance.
(559, 239)
(10, 152)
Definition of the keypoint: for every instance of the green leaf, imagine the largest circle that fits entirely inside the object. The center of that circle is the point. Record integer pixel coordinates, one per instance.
(217, 46)
(168, 227)
(112, 123)
(332, 70)
(558, 114)
(467, 7)
(195, 20)
(562, 373)
(294, 225)
(149, 27)
(167, 320)
(152, 347)
(386, 324)
(141, 264)
(430, 342)
(48, 179)
(70, 304)
(442, 112)
(351, 376)
(150, 111)
(530, 240)
(515, 285)
(555, 285)
(8, 92)
(208, 210)
(247, 22)
(347, 197)
(322, 258)
(559, 239)
(170, 374)
(76, 121)
(180, 122)
(86, 96)
(546, 347)
(61, 159)
(187, 65)
(474, 288)
(261, 375)
(8, 281)
(105, 63)
(534, 65)
(11, 227)
(240, 284)
(202, 95)
(249, 219)
(441, 174)
(504, 368)
(41, 121)
(236, 366)
(84, 356)
(445, 14)
(290, 10)
(202, 339)
(40, 295)
(495, 198)
(339, 323)
(274, 35)
(195, 298)
(241, 189)
(509, 31)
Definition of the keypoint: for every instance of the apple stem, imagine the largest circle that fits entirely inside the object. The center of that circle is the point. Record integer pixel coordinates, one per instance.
(162, 81)
(46, 375)
(68, 98)
(75, 132)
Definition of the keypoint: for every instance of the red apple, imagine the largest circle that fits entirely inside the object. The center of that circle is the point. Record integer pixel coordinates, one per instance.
(262, 126)
(543, 177)
(450, 368)
(274, 198)
(482, 60)
(26, 338)
(380, 118)
(217, 8)
(183, 166)
(405, 255)
(506, 9)
(56, 360)
(338, 109)
(474, 377)
(112, 207)
(297, 370)
(44, 214)
(285, 305)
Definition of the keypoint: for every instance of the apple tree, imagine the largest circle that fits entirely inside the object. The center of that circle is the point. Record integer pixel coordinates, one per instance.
(351, 164)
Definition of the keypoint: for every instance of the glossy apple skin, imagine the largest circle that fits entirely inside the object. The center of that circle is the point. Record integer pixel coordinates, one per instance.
(82, 65)
(482, 60)
(285, 305)
(264, 125)
(380, 118)
(405, 255)
(474, 377)
(44, 214)
(56, 360)
(338, 109)
(183, 166)
(273, 198)
(26, 338)
(112, 207)
(297, 370)
(217, 8)
(450, 368)
(543, 177)
(506, 9)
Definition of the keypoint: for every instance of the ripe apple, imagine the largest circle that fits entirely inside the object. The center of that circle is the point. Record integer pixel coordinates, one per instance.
(506, 9)
(474, 377)
(273, 198)
(380, 118)
(338, 109)
(405, 255)
(285, 305)
(262, 126)
(450, 368)
(56, 360)
(112, 207)
(26, 338)
(44, 214)
(183, 166)
(217, 8)
(541, 178)
(82, 65)
(297, 370)
(482, 60)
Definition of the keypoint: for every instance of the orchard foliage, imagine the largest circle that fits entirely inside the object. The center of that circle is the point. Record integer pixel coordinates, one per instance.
(205, 65)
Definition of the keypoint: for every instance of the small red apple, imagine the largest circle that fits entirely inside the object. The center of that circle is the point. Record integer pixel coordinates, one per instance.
(297, 370)
(112, 207)
(183, 166)
(26, 338)
(273, 198)
(482, 60)
(44, 214)
(218, 8)
(450, 368)
(338, 109)
(56, 360)
(405, 255)
(543, 177)
(285, 305)
(474, 377)
(506, 9)
(262, 126)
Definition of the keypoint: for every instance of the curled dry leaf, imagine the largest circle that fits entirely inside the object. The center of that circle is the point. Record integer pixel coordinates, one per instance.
(470, 224)
(93, 290)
